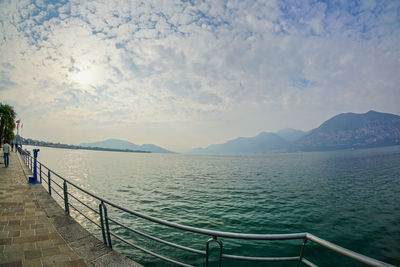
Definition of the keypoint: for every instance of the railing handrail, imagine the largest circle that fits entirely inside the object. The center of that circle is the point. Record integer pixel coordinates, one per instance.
(304, 236)
(346, 252)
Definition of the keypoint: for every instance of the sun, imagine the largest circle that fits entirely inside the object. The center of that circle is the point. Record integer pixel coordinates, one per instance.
(82, 77)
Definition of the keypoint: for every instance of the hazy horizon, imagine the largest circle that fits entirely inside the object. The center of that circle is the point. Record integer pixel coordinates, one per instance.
(185, 74)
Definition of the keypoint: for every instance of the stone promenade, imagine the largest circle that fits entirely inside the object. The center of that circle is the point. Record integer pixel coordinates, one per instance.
(34, 230)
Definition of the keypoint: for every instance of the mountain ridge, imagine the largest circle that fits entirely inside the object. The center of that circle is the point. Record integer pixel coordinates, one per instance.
(113, 143)
(351, 131)
(261, 143)
(343, 131)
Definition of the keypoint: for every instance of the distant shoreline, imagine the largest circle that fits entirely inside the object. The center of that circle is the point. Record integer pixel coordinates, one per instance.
(86, 148)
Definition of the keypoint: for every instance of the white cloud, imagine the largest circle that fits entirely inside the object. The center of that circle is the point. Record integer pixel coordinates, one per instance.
(175, 63)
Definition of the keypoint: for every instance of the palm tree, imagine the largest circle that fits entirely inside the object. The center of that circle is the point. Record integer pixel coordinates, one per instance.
(7, 122)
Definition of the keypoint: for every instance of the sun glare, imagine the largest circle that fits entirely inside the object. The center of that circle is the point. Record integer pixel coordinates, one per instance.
(82, 77)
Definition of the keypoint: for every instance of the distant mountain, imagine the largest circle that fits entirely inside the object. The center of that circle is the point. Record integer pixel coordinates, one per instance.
(290, 134)
(262, 143)
(350, 130)
(344, 131)
(121, 144)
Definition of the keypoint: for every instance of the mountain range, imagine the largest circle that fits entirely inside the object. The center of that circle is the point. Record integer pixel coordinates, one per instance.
(121, 144)
(343, 131)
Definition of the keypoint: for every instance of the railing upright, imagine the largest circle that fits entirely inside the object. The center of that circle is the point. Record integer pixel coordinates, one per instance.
(107, 226)
(219, 242)
(40, 172)
(66, 197)
(302, 252)
(49, 181)
(105, 229)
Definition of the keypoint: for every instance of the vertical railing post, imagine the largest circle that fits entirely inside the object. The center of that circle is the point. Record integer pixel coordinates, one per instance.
(301, 252)
(33, 179)
(105, 229)
(49, 181)
(107, 226)
(40, 172)
(214, 239)
(66, 197)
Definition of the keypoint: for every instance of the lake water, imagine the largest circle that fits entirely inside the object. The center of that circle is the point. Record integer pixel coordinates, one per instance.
(351, 198)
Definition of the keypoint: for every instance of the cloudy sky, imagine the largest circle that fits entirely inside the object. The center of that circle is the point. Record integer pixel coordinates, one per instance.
(184, 74)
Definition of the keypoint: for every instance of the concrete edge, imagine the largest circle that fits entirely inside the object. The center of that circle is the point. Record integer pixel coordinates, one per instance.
(93, 251)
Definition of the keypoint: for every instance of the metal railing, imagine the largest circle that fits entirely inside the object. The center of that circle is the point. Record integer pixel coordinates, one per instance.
(103, 220)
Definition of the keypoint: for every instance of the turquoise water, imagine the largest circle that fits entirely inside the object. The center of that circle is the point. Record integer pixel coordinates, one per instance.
(350, 198)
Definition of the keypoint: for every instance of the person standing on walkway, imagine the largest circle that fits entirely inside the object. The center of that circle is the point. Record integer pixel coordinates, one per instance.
(6, 151)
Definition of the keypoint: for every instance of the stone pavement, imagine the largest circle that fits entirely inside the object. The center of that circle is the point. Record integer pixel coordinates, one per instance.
(34, 230)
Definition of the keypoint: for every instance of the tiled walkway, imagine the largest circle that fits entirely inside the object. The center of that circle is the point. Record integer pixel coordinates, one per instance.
(27, 236)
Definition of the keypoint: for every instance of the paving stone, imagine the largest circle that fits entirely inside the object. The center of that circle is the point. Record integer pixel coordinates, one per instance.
(32, 254)
(37, 226)
(32, 263)
(50, 251)
(13, 248)
(17, 222)
(12, 256)
(27, 222)
(56, 260)
(24, 233)
(12, 264)
(14, 234)
(69, 252)
(24, 239)
(44, 244)
(78, 263)
(5, 241)
(41, 231)
(30, 246)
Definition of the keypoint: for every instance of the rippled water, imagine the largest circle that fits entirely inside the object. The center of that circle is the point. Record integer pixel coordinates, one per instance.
(350, 198)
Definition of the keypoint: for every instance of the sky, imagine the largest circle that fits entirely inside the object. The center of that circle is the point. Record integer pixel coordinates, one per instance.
(185, 74)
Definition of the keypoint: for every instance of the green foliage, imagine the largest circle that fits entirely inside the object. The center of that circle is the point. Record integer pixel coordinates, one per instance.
(7, 122)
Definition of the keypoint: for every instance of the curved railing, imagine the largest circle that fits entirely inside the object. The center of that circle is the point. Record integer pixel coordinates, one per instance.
(102, 221)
